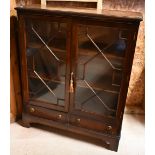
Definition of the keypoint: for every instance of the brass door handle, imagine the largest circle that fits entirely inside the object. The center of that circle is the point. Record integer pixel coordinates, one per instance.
(78, 120)
(59, 116)
(109, 127)
(32, 109)
(71, 83)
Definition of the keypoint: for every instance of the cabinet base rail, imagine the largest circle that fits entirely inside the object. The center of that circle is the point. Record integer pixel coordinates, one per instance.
(107, 141)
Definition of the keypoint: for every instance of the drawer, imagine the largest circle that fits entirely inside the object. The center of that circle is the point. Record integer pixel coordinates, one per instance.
(91, 124)
(46, 113)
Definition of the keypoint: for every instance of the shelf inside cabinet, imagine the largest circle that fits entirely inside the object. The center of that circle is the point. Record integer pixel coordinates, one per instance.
(106, 86)
(47, 78)
(36, 45)
(82, 52)
(89, 52)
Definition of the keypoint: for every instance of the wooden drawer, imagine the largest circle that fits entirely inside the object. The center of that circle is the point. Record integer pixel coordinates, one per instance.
(91, 124)
(46, 113)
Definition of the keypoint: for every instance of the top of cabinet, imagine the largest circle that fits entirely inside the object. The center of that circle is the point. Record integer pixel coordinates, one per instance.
(76, 12)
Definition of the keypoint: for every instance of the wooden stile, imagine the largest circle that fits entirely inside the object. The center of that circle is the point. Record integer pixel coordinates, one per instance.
(99, 2)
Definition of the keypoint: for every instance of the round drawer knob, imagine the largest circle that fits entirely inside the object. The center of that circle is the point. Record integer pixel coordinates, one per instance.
(108, 143)
(59, 116)
(78, 120)
(109, 127)
(32, 109)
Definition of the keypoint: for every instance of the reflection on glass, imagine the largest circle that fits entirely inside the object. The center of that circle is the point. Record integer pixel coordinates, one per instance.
(46, 61)
(101, 52)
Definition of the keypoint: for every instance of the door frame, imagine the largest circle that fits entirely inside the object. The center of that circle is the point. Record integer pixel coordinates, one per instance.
(23, 61)
(126, 66)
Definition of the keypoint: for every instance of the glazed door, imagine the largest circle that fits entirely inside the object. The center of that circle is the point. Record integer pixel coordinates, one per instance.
(47, 52)
(98, 71)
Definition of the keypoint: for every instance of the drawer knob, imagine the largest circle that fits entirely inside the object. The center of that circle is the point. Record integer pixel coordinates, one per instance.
(109, 127)
(78, 120)
(59, 116)
(32, 109)
(108, 143)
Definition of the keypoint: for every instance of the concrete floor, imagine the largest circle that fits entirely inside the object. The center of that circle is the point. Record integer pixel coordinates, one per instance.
(41, 141)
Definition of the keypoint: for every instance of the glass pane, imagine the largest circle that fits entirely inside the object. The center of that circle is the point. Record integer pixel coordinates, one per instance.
(101, 52)
(46, 61)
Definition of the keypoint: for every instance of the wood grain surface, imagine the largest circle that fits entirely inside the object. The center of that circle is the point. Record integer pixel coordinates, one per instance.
(15, 87)
(136, 87)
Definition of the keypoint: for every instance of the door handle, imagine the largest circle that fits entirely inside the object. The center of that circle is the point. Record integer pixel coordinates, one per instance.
(71, 83)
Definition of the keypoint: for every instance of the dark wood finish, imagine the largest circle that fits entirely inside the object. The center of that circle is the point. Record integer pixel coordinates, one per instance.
(46, 113)
(96, 120)
(16, 98)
